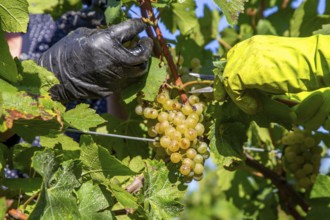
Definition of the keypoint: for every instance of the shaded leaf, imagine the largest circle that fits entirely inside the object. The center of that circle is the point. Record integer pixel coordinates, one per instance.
(306, 19)
(180, 15)
(127, 200)
(324, 30)
(82, 117)
(149, 84)
(8, 69)
(93, 203)
(56, 200)
(162, 199)
(231, 9)
(265, 27)
(114, 14)
(27, 185)
(98, 163)
(14, 15)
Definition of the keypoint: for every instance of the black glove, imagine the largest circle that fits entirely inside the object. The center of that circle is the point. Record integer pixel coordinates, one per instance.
(93, 63)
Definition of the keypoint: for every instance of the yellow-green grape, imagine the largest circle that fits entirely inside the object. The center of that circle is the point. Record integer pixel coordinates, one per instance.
(198, 169)
(171, 115)
(165, 141)
(191, 134)
(194, 116)
(188, 162)
(198, 177)
(146, 112)
(190, 122)
(139, 110)
(185, 169)
(291, 156)
(162, 116)
(304, 182)
(168, 104)
(198, 159)
(152, 131)
(181, 128)
(193, 99)
(198, 108)
(200, 129)
(169, 131)
(187, 109)
(163, 126)
(153, 114)
(174, 146)
(195, 62)
(176, 135)
(308, 168)
(191, 153)
(175, 157)
(202, 148)
(185, 143)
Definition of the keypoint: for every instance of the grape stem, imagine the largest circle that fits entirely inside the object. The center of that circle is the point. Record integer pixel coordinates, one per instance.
(285, 191)
(190, 83)
(145, 5)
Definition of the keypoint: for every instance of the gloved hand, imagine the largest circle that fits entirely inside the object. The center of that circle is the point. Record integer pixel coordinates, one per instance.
(93, 63)
(275, 65)
(314, 108)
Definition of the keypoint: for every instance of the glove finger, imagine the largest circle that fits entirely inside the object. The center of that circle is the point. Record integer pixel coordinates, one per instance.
(143, 49)
(244, 99)
(127, 30)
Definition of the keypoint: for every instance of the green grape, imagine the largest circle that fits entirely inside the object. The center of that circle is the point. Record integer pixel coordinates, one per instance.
(198, 177)
(191, 153)
(153, 114)
(300, 159)
(174, 146)
(147, 112)
(200, 129)
(188, 162)
(198, 159)
(139, 110)
(185, 170)
(190, 122)
(202, 148)
(163, 126)
(171, 116)
(181, 128)
(179, 60)
(293, 167)
(169, 131)
(198, 108)
(165, 141)
(187, 109)
(291, 156)
(152, 131)
(299, 174)
(193, 99)
(168, 104)
(198, 169)
(176, 135)
(304, 182)
(195, 62)
(175, 157)
(185, 143)
(309, 142)
(162, 116)
(308, 168)
(191, 134)
(194, 116)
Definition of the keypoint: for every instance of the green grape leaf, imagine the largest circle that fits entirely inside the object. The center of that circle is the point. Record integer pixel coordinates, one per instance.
(98, 163)
(14, 15)
(3, 149)
(162, 199)
(281, 20)
(3, 207)
(127, 200)
(325, 30)
(321, 187)
(265, 27)
(228, 134)
(207, 28)
(22, 154)
(82, 117)
(55, 8)
(231, 9)
(306, 19)
(94, 202)
(180, 15)
(54, 138)
(149, 84)
(8, 69)
(132, 126)
(27, 185)
(56, 200)
(35, 79)
(220, 93)
(114, 13)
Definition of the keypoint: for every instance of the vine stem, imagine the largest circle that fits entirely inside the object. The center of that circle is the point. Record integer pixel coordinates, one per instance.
(147, 13)
(30, 199)
(286, 192)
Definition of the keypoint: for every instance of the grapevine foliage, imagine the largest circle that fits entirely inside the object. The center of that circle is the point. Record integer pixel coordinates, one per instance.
(264, 168)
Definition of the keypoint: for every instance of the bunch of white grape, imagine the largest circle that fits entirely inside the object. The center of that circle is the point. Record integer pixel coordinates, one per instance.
(302, 157)
(179, 130)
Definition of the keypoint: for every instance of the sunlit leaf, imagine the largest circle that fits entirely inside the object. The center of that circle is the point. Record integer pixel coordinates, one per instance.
(231, 9)
(8, 69)
(14, 15)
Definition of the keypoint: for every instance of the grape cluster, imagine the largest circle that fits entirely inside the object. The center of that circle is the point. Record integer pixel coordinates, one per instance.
(302, 157)
(180, 132)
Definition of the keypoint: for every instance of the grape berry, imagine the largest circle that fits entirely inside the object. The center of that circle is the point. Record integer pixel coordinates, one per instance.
(179, 130)
(302, 157)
